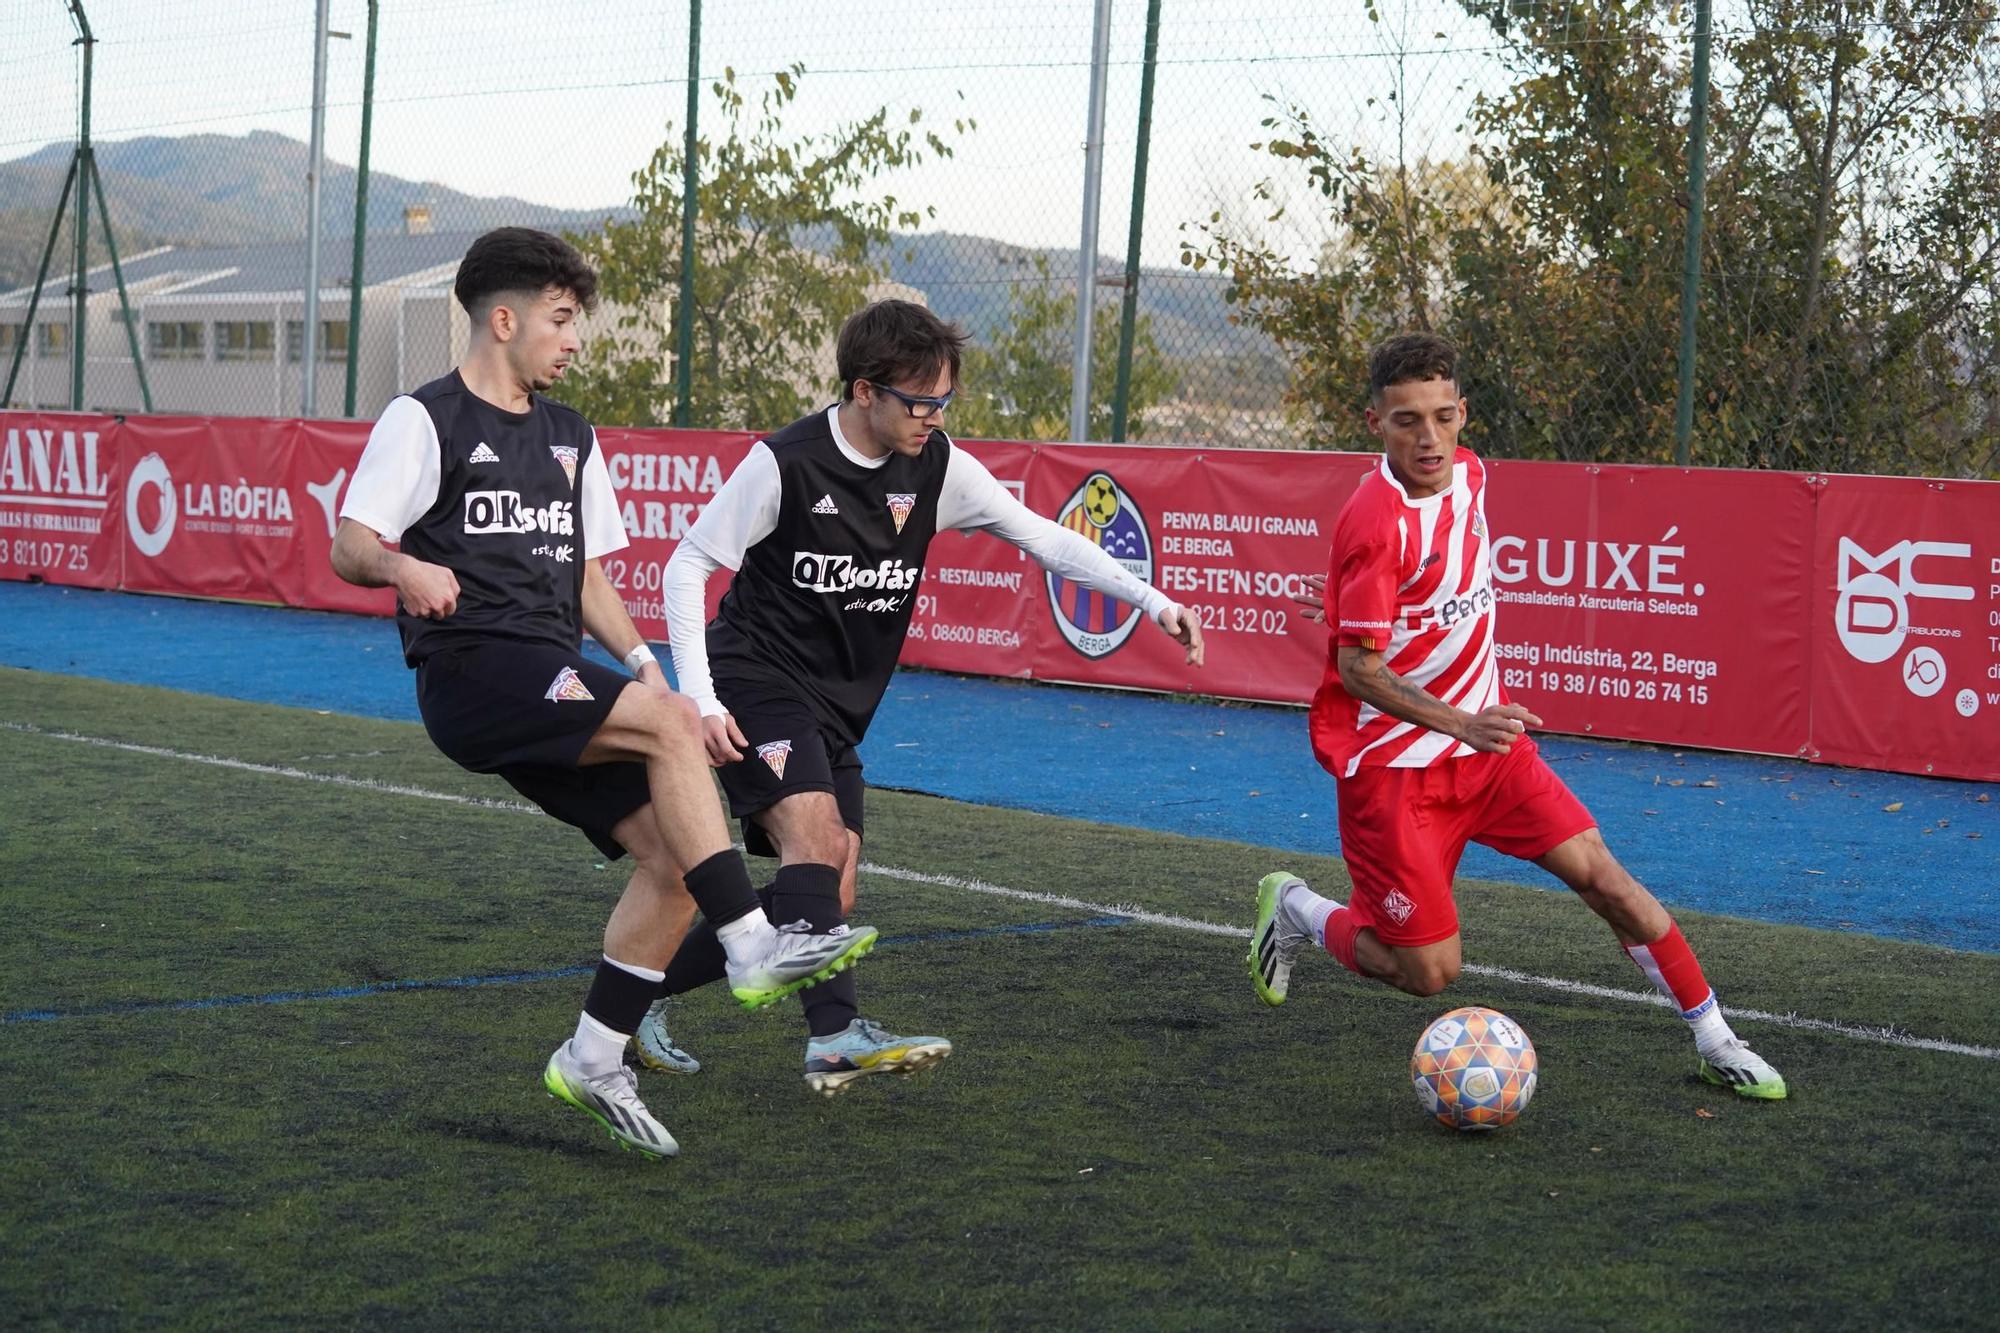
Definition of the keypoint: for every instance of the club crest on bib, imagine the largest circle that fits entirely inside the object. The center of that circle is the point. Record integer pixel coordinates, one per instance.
(1105, 514)
(775, 753)
(900, 506)
(568, 685)
(566, 455)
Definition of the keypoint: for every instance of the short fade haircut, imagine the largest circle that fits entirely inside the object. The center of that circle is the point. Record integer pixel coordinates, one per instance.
(895, 340)
(521, 259)
(1409, 357)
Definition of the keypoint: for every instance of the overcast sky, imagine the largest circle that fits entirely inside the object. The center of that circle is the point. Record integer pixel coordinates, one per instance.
(559, 101)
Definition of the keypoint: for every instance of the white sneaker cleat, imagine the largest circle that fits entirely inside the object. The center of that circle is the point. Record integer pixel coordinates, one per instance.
(798, 959)
(1736, 1067)
(1275, 940)
(612, 1100)
(656, 1050)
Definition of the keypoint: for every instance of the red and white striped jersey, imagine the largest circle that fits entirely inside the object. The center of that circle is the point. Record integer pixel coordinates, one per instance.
(1413, 580)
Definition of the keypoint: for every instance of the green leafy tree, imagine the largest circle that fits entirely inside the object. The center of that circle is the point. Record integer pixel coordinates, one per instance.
(1017, 383)
(1847, 321)
(787, 232)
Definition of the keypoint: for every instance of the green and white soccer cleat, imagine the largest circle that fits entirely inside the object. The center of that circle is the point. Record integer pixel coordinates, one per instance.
(798, 959)
(1744, 1072)
(612, 1100)
(656, 1050)
(863, 1048)
(1275, 940)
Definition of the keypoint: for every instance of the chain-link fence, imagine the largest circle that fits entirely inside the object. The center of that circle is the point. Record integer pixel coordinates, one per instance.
(1511, 172)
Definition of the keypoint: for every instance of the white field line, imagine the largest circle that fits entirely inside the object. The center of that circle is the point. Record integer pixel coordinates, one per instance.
(1887, 1036)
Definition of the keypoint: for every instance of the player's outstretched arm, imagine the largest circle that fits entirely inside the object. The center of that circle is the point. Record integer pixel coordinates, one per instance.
(1365, 676)
(360, 558)
(973, 500)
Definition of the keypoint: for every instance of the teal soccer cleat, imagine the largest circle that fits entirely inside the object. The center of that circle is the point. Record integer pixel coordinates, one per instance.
(863, 1048)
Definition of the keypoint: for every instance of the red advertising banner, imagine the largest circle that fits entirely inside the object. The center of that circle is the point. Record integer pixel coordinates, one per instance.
(1855, 620)
(61, 502)
(1228, 534)
(322, 465)
(1906, 625)
(662, 479)
(1653, 603)
(208, 510)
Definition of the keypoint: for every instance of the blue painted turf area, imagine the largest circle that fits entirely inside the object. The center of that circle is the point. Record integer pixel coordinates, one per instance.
(1774, 839)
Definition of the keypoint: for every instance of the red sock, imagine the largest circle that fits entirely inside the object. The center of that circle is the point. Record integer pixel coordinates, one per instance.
(1674, 971)
(1341, 928)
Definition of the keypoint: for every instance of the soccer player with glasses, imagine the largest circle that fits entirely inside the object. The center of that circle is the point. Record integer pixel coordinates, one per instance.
(827, 524)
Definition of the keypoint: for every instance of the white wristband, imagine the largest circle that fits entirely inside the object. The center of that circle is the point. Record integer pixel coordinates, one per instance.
(638, 657)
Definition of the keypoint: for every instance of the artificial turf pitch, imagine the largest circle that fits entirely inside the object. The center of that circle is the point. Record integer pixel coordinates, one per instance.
(1124, 1137)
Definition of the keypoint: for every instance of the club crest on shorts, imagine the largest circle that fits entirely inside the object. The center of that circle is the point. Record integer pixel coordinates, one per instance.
(1102, 512)
(566, 455)
(568, 685)
(900, 506)
(774, 753)
(1398, 906)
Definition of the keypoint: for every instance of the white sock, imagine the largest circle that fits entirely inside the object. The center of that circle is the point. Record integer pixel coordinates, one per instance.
(1308, 910)
(1711, 1031)
(747, 938)
(598, 1050)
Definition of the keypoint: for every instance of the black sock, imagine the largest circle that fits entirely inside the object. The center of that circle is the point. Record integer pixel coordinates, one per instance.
(720, 887)
(619, 999)
(701, 958)
(811, 893)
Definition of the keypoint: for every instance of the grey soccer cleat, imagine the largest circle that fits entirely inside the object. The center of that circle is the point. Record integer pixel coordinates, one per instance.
(1744, 1072)
(612, 1100)
(1275, 939)
(798, 959)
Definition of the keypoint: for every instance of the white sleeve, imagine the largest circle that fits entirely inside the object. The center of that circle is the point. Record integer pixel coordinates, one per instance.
(603, 527)
(972, 501)
(396, 481)
(684, 588)
(743, 513)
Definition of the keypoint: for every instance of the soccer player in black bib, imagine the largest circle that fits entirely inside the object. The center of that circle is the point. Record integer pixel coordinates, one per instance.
(502, 506)
(826, 524)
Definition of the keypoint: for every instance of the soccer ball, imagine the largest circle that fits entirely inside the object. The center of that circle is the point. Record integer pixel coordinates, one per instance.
(1474, 1069)
(1100, 500)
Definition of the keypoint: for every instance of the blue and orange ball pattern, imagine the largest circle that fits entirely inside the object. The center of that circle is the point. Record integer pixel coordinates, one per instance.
(1474, 1069)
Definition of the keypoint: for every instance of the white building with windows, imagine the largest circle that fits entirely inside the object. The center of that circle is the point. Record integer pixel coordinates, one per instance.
(221, 330)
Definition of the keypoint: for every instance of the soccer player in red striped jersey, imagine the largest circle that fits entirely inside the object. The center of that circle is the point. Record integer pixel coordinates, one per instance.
(1411, 719)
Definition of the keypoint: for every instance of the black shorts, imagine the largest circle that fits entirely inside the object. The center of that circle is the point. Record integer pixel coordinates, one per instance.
(525, 711)
(788, 752)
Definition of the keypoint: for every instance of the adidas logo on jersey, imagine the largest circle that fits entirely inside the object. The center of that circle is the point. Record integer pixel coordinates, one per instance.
(826, 506)
(483, 453)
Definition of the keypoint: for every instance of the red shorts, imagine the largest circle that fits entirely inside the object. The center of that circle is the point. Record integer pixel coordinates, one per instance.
(1402, 831)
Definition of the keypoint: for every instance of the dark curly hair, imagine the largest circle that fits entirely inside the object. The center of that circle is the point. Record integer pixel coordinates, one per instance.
(521, 259)
(1410, 356)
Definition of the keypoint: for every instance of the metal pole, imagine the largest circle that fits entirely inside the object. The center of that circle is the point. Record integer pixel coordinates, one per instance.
(315, 168)
(1086, 268)
(41, 277)
(1128, 315)
(355, 269)
(118, 274)
(690, 182)
(1691, 269)
(80, 287)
